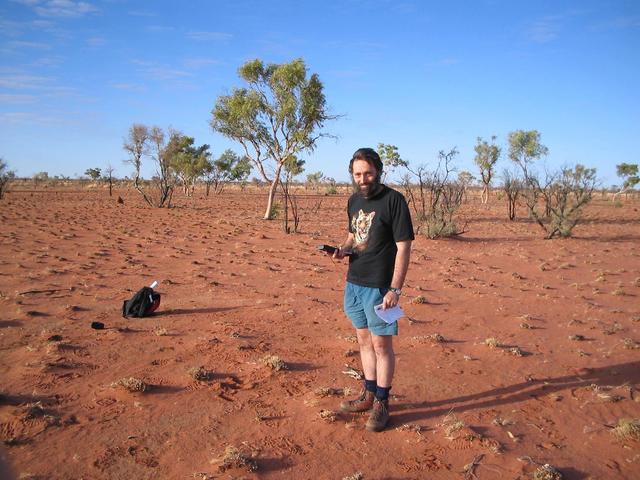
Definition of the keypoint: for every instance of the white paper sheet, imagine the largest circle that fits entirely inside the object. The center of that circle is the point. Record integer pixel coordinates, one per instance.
(390, 315)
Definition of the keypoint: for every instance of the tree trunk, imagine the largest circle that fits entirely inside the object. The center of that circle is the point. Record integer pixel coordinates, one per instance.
(272, 192)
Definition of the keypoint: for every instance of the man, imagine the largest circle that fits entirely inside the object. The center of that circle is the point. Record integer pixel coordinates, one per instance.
(379, 246)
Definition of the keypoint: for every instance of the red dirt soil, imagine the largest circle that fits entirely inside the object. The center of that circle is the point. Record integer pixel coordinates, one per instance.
(235, 289)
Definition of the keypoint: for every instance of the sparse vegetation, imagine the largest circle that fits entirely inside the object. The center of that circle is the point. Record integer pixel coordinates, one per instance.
(492, 342)
(234, 458)
(486, 157)
(419, 300)
(547, 472)
(627, 429)
(274, 362)
(200, 374)
(132, 384)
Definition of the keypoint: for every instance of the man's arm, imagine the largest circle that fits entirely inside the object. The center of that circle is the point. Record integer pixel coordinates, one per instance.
(346, 245)
(399, 273)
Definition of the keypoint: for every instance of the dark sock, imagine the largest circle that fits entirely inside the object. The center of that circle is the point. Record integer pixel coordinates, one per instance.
(382, 393)
(370, 385)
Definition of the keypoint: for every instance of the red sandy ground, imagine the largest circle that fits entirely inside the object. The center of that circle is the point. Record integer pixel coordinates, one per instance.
(236, 288)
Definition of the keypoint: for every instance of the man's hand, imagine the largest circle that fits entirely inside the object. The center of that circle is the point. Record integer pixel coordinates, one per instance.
(390, 300)
(339, 253)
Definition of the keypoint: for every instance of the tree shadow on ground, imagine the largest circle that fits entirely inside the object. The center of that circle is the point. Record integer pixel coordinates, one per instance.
(620, 374)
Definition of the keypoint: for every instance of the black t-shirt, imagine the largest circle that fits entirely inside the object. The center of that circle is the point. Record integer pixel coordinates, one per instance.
(377, 223)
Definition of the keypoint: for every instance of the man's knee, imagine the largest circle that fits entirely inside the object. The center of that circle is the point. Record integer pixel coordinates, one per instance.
(383, 345)
(364, 337)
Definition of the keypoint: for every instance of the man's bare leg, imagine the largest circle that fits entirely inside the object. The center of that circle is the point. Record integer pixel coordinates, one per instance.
(367, 353)
(385, 359)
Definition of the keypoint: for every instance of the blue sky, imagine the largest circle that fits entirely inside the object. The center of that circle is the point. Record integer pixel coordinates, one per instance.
(422, 75)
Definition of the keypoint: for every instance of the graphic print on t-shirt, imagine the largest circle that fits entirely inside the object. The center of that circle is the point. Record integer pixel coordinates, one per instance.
(361, 226)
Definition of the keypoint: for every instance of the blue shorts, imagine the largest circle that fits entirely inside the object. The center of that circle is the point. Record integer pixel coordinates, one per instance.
(358, 305)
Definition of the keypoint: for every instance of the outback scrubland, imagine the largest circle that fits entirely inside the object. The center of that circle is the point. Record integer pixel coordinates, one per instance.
(516, 352)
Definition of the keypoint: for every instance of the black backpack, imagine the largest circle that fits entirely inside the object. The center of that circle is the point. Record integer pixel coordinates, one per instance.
(142, 304)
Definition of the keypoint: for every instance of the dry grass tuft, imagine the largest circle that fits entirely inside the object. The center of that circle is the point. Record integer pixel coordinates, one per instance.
(160, 331)
(419, 300)
(200, 374)
(329, 392)
(547, 472)
(516, 352)
(274, 362)
(132, 384)
(410, 427)
(328, 415)
(234, 458)
(436, 338)
(627, 429)
(631, 344)
(492, 342)
(451, 425)
(576, 338)
(355, 476)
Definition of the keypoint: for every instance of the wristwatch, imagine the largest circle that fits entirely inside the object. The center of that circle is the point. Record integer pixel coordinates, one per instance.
(397, 291)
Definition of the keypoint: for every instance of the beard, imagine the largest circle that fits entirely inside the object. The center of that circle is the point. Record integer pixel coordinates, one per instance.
(366, 191)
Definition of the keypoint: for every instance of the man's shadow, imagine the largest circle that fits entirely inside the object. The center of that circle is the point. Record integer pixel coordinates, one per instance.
(608, 375)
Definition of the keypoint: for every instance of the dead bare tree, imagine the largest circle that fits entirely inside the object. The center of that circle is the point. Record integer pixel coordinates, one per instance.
(109, 176)
(512, 186)
(439, 197)
(151, 141)
(563, 195)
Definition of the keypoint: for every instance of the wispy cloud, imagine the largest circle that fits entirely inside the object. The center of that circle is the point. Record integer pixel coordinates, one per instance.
(20, 81)
(208, 36)
(132, 87)
(196, 63)
(96, 41)
(16, 98)
(543, 31)
(141, 13)
(19, 44)
(59, 8)
(619, 23)
(159, 28)
(158, 71)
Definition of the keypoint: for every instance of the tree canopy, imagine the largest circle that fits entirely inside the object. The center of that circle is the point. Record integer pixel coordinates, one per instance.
(279, 114)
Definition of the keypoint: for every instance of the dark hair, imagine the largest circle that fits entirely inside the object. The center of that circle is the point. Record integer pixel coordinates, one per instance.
(370, 156)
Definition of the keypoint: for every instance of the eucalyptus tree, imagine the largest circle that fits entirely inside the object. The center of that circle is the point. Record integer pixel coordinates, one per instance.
(628, 172)
(279, 114)
(487, 155)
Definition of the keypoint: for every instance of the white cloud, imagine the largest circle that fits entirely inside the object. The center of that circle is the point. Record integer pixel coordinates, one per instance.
(19, 44)
(160, 72)
(132, 87)
(19, 81)
(209, 36)
(96, 41)
(59, 8)
(16, 98)
(196, 63)
(543, 31)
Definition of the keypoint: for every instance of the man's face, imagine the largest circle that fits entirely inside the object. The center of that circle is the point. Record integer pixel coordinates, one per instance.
(365, 178)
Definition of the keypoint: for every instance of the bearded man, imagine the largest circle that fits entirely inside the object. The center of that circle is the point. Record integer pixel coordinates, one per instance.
(378, 246)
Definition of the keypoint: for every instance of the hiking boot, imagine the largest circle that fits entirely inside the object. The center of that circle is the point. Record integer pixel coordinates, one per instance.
(361, 404)
(379, 416)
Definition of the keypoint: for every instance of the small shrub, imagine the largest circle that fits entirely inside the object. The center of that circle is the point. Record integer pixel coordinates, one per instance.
(418, 300)
(436, 338)
(627, 429)
(132, 384)
(547, 472)
(328, 415)
(200, 374)
(274, 362)
(355, 476)
(234, 458)
(492, 342)
(274, 212)
(160, 331)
